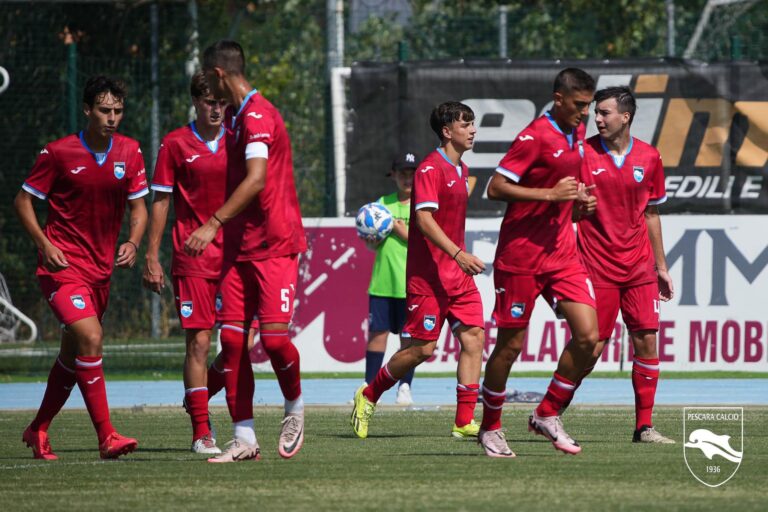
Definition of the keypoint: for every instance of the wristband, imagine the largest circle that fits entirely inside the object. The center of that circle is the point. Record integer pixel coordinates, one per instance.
(457, 253)
(218, 219)
(133, 244)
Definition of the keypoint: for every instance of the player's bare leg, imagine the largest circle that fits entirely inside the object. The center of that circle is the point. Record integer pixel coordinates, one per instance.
(198, 343)
(574, 360)
(509, 344)
(413, 353)
(472, 341)
(645, 378)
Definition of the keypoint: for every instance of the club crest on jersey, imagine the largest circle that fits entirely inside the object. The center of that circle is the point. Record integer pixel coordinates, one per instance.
(119, 170)
(77, 301)
(186, 309)
(219, 302)
(517, 310)
(638, 173)
(429, 322)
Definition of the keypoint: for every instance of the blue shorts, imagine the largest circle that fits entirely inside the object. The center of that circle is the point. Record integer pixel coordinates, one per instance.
(385, 314)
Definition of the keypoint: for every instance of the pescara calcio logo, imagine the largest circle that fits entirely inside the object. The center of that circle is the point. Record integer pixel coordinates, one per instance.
(714, 442)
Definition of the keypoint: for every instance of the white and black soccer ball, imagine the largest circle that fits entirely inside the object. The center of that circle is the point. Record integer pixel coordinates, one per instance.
(374, 221)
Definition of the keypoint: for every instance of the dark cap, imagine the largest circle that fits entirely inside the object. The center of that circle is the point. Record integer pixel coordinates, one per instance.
(405, 160)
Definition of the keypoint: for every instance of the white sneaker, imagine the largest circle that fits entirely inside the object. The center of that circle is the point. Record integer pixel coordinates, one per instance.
(551, 427)
(648, 434)
(207, 445)
(238, 450)
(404, 395)
(291, 435)
(494, 443)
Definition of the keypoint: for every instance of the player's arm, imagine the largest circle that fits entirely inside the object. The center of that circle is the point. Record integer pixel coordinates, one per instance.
(153, 277)
(653, 222)
(585, 203)
(53, 259)
(425, 222)
(243, 195)
(502, 188)
(400, 230)
(127, 252)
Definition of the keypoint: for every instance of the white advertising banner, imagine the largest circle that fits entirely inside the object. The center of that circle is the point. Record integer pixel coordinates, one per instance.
(717, 321)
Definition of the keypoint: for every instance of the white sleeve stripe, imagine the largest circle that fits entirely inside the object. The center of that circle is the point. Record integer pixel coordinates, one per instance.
(140, 193)
(660, 200)
(508, 174)
(427, 204)
(256, 150)
(32, 190)
(162, 188)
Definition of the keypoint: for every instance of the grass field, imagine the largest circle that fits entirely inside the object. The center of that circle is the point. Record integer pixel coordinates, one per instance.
(409, 462)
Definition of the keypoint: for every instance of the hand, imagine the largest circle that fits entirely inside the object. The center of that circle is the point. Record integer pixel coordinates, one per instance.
(565, 190)
(586, 202)
(469, 263)
(371, 241)
(153, 277)
(53, 259)
(666, 290)
(126, 255)
(201, 237)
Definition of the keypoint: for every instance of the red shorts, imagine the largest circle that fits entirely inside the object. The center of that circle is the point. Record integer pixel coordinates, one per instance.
(425, 314)
(195, 301)
(516, 293)
(639, 308)
(72, 301)
(262, 289)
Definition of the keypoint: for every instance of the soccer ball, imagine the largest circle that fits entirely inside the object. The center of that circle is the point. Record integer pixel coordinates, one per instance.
(374, 221)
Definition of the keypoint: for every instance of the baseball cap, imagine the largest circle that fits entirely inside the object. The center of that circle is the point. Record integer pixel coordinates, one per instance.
(405, 160)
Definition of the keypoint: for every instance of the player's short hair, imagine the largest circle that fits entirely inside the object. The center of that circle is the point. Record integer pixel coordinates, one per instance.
(198, 86)
(625, 100)
(447, 113)
(574, 79)
(227, 55)
(98, 85)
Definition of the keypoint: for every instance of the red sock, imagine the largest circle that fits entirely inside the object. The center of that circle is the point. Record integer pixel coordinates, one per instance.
(90, 380)
(197, 407)
(215, 380)
(238, 375)
(466, 400)
(559, 392)
(645, 377)
(493, 402)
(285, 361)
(61, 380)
(578, 383)
(382, 382)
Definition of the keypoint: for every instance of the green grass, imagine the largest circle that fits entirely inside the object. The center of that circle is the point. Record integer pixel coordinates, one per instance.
(409, 462)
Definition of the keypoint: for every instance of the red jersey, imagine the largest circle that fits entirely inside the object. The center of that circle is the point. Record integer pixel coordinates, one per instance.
(195, 172)
(86, 194)
(270, 225)
(537, 236)
(613, 241)
(439, 184)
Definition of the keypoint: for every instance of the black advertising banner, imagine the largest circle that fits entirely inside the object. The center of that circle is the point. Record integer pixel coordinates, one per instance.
(708, 121)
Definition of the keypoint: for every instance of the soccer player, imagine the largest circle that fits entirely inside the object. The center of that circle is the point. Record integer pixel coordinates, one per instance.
(192, 166)
(87, 178)
(386, 292)
(263, 237)
(439, 273)
(536, 255)
(621, 244)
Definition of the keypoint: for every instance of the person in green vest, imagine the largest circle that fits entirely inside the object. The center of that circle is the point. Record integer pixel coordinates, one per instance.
(386, 293)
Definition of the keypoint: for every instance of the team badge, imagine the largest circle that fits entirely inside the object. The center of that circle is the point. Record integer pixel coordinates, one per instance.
(429, 322)
(77, 301)
(581, 148)
(119, 170)
(714, 442)
(186, 309)
(638, 173)
(219, 302)
(517, 310)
